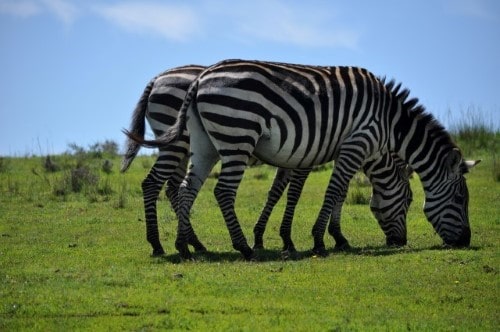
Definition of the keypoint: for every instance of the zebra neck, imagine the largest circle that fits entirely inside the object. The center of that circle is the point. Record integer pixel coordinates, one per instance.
(424, 144)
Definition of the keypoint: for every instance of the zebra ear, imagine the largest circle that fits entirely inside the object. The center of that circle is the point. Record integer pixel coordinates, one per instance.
(468, 164)
(454, 160)
(471, 163)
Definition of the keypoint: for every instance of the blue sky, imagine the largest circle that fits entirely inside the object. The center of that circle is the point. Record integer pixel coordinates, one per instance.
(72, 71)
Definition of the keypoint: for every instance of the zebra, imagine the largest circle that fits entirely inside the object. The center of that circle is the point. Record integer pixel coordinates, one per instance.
(159, 104)
(297, 116)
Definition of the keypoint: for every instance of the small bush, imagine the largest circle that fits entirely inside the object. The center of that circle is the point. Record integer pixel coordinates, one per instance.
(360, 180)
(358, 196)
(62, 186)
(105, 189)
(50, 166)
(4, 165)
(82, 176)
(122, 196)
(107, 166)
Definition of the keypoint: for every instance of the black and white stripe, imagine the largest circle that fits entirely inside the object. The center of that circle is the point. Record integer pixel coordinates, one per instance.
(159, 105)
(297, 116)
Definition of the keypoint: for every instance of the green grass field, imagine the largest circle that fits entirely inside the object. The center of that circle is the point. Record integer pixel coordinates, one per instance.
(73, 256)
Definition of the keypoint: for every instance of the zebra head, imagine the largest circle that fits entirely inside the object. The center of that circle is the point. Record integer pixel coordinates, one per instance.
(446, 206)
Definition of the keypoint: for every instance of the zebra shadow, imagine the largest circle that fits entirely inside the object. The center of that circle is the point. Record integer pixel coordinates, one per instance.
(276, 255)
(384, 250)
(261, 256)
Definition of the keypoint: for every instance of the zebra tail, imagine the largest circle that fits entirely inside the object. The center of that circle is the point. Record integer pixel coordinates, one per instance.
(174, 132)
(137, 128)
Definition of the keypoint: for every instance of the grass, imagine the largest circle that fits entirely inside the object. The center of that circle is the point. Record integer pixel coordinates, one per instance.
(81, 262)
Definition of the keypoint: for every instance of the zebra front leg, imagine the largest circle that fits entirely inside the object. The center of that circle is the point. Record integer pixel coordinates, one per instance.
(331, 208)
(232, 170)
(346, 165)
(334, 229)
(281, 180)
(391, 196)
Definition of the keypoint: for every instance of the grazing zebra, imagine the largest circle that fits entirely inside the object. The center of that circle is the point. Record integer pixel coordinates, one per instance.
(297, 116)
(159, 104)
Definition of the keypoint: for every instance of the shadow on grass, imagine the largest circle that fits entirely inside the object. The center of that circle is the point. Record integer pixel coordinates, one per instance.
(269, 255)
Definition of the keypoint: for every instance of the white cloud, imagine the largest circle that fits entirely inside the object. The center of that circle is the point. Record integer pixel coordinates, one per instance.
(174, 22)
(20, 8)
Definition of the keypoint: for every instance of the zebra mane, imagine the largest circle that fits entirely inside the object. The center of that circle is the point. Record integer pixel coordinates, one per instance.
(412, 109)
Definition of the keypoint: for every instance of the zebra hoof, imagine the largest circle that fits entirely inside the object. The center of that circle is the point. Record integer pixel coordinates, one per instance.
(289, 254)
(184, 252)
(258, 246)
(157, 252)
(319, 252)
(248, 253)
(345, 246)
(199, 248)
(197, 245)
(395, 242)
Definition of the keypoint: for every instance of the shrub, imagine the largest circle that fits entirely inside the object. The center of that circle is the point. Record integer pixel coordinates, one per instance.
(50, 166)
(4, 165)
(358, 196)
(107, 166)
(122, 196)
(82, 176)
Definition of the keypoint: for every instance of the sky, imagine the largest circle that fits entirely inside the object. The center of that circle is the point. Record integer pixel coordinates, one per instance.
(72, 71)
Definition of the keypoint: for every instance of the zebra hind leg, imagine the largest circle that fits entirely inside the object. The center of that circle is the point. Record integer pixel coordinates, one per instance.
(281, 180)
(151, 187)
(232, 170)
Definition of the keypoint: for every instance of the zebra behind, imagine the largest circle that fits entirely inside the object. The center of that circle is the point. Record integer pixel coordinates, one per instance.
(385, 173)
